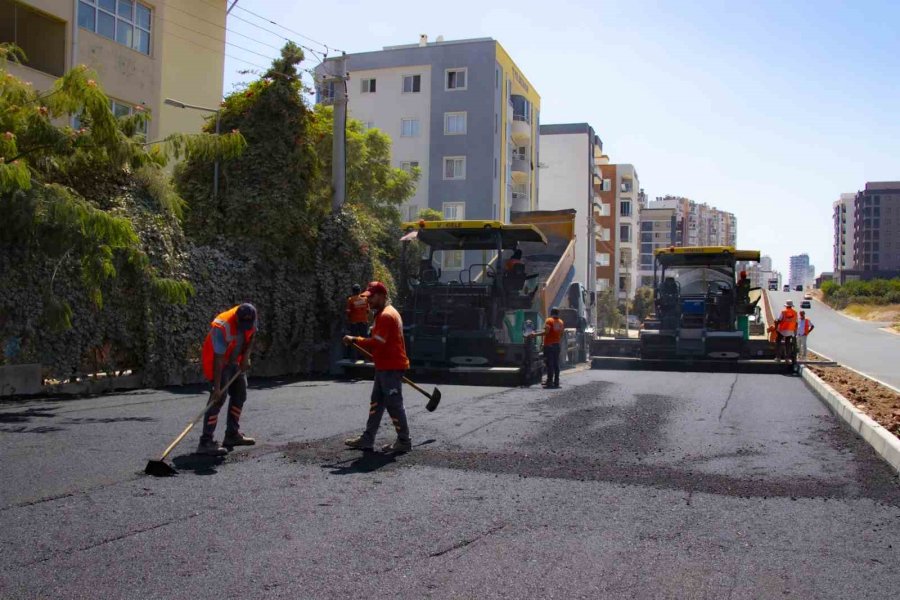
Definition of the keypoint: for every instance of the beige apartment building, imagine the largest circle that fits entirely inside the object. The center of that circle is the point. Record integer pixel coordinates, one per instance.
(143, 52)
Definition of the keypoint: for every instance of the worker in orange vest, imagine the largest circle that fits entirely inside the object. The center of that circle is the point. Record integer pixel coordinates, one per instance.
(226, 351)
(786, 324)
(388, 350)
(515, 259)
(357, 313)
(553, 331)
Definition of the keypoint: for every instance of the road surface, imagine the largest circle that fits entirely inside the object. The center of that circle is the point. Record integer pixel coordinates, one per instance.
(619, 485)
(862, 345)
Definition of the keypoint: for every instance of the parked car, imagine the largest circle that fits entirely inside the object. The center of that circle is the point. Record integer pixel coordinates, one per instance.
(806, 304)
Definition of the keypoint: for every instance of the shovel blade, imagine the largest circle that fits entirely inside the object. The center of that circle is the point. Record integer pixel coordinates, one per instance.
(159, 468)
(434, 400)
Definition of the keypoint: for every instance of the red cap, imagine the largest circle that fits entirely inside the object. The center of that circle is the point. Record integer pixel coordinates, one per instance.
(375, 287)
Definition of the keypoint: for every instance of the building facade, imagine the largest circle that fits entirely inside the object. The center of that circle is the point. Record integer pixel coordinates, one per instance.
(876, 228)
(461, 112)
(843, 212)
(142, 52)
(620, 191)
(798, 274)
(570, 157)
(701, 224)
(658, 230)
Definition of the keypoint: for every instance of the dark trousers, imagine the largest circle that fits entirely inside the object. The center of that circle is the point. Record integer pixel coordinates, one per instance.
(359, 330)
(551, 357)
(237, 395)
(387, 394)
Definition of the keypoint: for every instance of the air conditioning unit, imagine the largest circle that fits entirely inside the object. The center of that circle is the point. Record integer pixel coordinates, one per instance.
(519, 196)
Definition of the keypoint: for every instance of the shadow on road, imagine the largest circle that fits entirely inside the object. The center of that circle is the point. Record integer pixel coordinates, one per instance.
(369, 461)
(26, 415)
(199, 464)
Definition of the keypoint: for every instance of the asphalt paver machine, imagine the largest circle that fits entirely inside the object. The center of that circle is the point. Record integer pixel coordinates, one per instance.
(699, 303)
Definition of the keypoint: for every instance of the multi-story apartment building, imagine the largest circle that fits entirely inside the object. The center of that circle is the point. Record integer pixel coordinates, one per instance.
(843, 211)
(701, 224)
(876, 229)
(798, 275)
(620, 190)
(142, 52)
(658, 230)
(571, 154)
(461, 111)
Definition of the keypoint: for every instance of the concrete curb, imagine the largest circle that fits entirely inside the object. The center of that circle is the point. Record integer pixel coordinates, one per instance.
(885, 444)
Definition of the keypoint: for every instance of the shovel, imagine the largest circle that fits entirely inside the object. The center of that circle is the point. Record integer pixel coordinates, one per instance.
(159, 468)
(434, 398)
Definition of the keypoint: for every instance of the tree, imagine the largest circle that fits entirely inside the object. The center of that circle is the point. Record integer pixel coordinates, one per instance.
(431, 214)
(642, 304)
(58, 184)
(608, 315)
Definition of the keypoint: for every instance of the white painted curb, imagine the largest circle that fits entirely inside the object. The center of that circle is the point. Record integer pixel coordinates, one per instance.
(885, 444)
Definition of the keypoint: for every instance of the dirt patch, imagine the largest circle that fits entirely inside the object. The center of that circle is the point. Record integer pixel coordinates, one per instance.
(879, 402)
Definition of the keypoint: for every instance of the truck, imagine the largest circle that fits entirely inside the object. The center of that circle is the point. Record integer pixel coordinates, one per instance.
(701, 309)
(466, 313)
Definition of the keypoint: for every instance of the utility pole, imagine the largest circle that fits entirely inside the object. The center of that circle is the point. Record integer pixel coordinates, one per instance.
(339, 147)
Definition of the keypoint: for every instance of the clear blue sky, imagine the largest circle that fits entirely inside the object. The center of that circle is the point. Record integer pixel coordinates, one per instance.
(767, 109)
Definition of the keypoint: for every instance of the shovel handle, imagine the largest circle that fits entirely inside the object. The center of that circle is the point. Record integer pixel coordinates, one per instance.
(190, 426)
(405, 380)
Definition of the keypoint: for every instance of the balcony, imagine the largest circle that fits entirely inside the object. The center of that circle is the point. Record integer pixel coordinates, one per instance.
(521, 129)
(521, 169)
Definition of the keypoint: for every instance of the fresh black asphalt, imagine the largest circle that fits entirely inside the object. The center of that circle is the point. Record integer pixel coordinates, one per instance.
(619, 485)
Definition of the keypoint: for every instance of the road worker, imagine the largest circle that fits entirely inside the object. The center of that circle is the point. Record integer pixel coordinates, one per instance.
(226, 352)
(388, 350)
(357, 315)
(553, 331)
(515, 259)
(786, 324)
(804, 328)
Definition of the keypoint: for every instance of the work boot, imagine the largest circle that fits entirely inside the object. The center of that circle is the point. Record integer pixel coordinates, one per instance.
(398, 447)
(237, 439)
(211, 448)
(359, 443)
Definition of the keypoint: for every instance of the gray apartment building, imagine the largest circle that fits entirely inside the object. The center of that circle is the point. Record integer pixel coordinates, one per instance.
(462, 112)
(876, 229)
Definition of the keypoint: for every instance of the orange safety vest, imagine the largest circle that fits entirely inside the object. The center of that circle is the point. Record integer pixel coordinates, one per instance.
(788, 320)
(773, 336)
(553, 330)
(511, 263)
(807, 326)
(227, 322)
(357, 309)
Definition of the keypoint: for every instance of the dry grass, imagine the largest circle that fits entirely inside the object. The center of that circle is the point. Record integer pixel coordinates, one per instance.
(872, 312)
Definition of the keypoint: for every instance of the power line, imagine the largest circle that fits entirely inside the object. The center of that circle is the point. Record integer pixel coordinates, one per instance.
(221, 40)
(306, 37)
(213, 23)
(252, 64)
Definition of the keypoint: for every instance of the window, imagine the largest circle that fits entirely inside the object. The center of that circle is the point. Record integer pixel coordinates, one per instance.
(622, 284)
(409, 165)
(409, 127)
(454, 167)
(42, 39)
(624, 233)
(602, 284)
(125, 21)
(603, 259)
(412, 212)
(455, 79)
(626, 185)
(603, 235)
(520, 153)
(603, 211)
(607, 185)
(412, 84)
(520, 191)
(123, 109)
(327, 92)
(453, 260)
(455, 123)
(454, 211)
(625, 208)
(368, 86)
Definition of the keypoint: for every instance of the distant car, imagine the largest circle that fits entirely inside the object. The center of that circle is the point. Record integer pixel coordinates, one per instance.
(806, 304)
(773, 288)
(799, 288)
(787, 288)
(807, 296)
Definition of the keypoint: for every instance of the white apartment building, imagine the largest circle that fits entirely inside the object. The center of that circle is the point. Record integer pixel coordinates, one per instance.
(843, 217)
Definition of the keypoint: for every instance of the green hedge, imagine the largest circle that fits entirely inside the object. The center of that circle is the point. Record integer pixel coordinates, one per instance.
(875, 291)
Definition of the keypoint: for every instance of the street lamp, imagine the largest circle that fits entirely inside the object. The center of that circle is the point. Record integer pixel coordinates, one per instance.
(179, 104)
